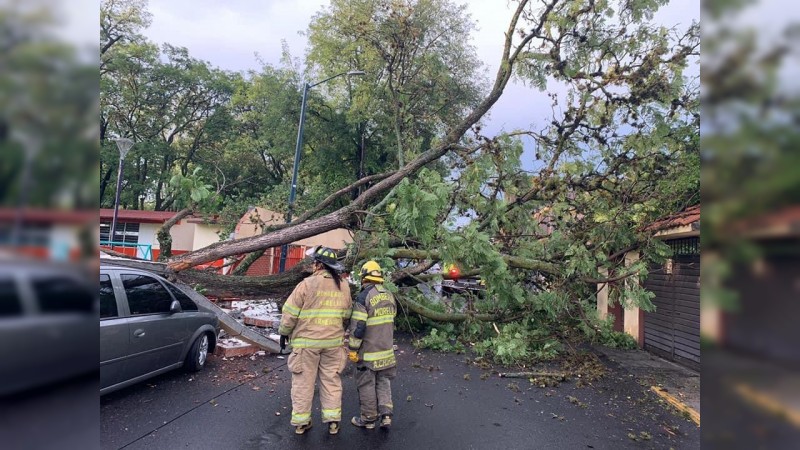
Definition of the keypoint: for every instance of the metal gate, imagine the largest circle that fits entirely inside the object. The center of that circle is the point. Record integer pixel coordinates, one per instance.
(765, 320)
(673, 329)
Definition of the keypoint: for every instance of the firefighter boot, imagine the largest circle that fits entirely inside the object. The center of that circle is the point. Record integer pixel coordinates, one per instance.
(300, 429)
(359, 422)
(386, 421)
(333, 427)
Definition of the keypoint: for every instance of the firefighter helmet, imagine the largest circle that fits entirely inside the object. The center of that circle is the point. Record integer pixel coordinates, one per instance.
(371, 271)
(325, 256)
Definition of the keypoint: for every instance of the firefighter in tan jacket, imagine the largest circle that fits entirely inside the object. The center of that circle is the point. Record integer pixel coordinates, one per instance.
(372, 348)
(313, 322)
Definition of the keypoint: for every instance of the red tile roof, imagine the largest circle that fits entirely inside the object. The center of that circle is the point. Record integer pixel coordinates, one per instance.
(688, 216)
(787, 216)
(137, 215)
(41, 215)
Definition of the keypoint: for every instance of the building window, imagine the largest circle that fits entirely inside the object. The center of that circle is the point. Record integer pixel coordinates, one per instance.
(30, 235)
(127, 232)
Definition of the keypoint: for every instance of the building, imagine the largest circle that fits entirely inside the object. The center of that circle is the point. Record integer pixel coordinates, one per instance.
(136, 233)
(759, 316)
(256, 218)
(672, 330)
(54, 234)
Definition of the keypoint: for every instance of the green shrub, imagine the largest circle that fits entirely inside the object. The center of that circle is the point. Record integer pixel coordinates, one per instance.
(615, 339)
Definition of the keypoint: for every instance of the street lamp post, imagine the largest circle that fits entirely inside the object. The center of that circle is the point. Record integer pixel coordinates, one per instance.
(31, 144)
(123, 145)
(298, 146)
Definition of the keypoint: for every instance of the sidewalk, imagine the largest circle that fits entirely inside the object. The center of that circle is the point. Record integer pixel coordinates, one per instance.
(650, 371)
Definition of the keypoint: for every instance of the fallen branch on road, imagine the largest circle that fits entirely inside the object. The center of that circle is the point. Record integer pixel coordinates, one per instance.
(558, 375)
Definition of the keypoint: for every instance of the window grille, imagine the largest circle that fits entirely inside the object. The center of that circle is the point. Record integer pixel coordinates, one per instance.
(684, 246)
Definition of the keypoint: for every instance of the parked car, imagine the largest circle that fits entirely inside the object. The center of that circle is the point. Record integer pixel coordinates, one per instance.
(149, 326)
(48, 323)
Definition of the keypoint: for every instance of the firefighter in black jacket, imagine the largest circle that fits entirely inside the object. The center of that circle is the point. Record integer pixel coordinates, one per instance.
(372, 348)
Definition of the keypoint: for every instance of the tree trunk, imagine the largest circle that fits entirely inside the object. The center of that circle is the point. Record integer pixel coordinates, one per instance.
(224, 249)
(440, 316)
(513, 261)
(277, 286)
(215, 285)
(103, 184)
(165, 238)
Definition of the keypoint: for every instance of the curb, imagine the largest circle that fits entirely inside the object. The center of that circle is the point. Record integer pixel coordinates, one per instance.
(767, 402)
(679, 405)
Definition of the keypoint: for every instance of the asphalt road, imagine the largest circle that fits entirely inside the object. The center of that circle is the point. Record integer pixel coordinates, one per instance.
(441, 402)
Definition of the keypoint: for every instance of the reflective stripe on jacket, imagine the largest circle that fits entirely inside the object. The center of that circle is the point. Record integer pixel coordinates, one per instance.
(315, 314)
(372, 327)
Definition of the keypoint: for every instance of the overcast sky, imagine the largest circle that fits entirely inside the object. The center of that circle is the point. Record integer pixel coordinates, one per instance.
(229, 34)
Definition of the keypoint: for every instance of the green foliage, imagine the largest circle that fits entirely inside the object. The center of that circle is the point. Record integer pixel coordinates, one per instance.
(616, 339)
(47, 112)
(602, 332)
(520, 342)
(191, 187)
(418, 205)
(440, 339)
(421, 74)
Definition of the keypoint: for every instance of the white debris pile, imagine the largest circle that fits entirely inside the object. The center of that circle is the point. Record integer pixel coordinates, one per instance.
(232, 342)
(261, 316)
(266, 309)
(258, 309)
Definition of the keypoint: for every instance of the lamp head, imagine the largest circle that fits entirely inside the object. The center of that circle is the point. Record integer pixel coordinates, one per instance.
(123, 145)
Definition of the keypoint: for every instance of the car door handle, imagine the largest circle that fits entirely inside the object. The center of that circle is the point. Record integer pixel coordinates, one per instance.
(138, 333)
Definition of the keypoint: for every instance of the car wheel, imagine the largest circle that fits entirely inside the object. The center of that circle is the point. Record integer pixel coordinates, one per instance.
(198, 354)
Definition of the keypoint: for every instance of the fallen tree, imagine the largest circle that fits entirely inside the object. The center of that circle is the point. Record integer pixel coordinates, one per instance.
(620, 150)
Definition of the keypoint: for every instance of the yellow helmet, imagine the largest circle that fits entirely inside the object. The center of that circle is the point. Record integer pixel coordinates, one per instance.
(371, 271)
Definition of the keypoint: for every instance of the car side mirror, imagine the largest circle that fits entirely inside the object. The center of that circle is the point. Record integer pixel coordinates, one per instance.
(175, 307)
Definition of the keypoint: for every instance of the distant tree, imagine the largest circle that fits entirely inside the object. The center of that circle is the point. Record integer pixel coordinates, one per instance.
(48, 102)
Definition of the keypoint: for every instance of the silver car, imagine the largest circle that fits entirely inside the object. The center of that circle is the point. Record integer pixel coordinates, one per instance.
(48, 323)
(148, 326)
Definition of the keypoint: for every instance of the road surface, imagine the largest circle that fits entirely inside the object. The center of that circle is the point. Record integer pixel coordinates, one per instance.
(441, 402)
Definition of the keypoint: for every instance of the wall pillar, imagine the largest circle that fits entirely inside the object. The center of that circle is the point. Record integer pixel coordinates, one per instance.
(602, 296)
(712, 318)
(633, 317)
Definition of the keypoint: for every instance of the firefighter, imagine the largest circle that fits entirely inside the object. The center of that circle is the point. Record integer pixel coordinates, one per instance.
(313, 322)
(372, 348)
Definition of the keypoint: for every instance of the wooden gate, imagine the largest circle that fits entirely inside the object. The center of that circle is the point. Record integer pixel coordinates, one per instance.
(765, 317)
(673, 329)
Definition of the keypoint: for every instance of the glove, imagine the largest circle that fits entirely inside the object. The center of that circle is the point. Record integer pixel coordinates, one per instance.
(284, 341)
(353, 356)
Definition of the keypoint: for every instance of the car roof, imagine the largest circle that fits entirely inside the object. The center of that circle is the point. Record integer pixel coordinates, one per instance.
(114, 268)
(39, 267)
(107, 267)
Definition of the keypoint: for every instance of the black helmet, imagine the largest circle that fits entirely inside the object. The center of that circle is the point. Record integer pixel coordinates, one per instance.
(325, 256)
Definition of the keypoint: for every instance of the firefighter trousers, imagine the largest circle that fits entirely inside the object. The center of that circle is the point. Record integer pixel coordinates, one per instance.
(375, 392)
(306, 364)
